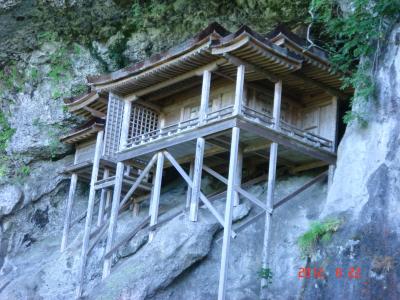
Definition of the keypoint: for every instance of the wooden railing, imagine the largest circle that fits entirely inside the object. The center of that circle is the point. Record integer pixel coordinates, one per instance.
(226, 112)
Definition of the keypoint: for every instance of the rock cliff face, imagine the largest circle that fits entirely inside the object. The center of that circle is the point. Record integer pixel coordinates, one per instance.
(183, 260)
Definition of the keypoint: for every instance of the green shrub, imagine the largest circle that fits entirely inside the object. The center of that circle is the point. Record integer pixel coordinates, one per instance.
(318, 232)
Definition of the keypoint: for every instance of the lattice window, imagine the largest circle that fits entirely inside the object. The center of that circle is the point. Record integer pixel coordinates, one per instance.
(143, 120)
(113, 126)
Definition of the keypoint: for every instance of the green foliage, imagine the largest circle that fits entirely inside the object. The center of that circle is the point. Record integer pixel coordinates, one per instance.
(350, 37)
(178, 19)
(266, 273)
(11, 78)
(6, 132)
(318, 232)
(24, 171)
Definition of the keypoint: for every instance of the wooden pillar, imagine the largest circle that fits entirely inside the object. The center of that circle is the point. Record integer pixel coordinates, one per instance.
(205, 96)
(198, 168)
(239, 166)
(136, 209)
(239, 90)
(200, 143)
(331, 170)
(103, 196)
(155, 196)
(232, 181)
(189, 189)
(119, 176)
(273, 157)
(89, 213)
(68, 210)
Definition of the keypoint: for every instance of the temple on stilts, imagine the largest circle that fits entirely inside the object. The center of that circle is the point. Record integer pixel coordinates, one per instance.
(219, 103)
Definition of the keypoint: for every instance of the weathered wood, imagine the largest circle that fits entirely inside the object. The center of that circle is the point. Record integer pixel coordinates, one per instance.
(136, 184)
(125, 125)
(215, 174)
(307, 166)
(253, 199)
(271, 185)
(89, 215)
(251, 67)
(189, 189)
(203, 198)
(189, 135)
(239, 166)
(228, 214)
(136, 208)
(68, 211)
(205, 96)
(155, 199)
(119, 177)
(198, 167)
(211, 67)
(287, 141)
(119, 173)
(103, 197)
(239, 90)
(301, 189)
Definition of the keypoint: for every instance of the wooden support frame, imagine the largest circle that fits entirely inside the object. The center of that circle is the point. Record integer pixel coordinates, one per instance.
(189, 189)
(205, 96)
(271, 185)
(68, 211)
(198, 167)
(155, 196)
(119, 173)
(119, 176)
(203, 198)
(239, 90)
(89, 214)
(228, 213)
(103, 196)
(239, 166)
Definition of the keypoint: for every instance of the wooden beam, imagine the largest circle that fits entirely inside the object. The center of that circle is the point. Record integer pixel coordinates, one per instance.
(68, 211)
(301, 189)
(203, 198)
(119, 173)
(155, 199)
(198, 167)
(287, 141)
(215, 174)
(271, 185)
(205, 96)
(298, 75)
(307, 166)
(239, 90)
(232, 177)
(239, 166)
(251, 67)
(253, 199)
(89, 214)
(139, 150)
(94, 113)
(210, 67)
(103, 197)
(119, 177)
(189, 189)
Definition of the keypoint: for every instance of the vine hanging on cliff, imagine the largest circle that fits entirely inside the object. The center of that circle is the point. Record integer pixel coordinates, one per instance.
(354, 41)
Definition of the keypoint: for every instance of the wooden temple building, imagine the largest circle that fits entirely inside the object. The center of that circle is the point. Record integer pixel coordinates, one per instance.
(220, 103)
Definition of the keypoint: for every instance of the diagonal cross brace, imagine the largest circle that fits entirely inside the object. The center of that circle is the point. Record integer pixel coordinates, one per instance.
(238, 189)
(202, 196)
